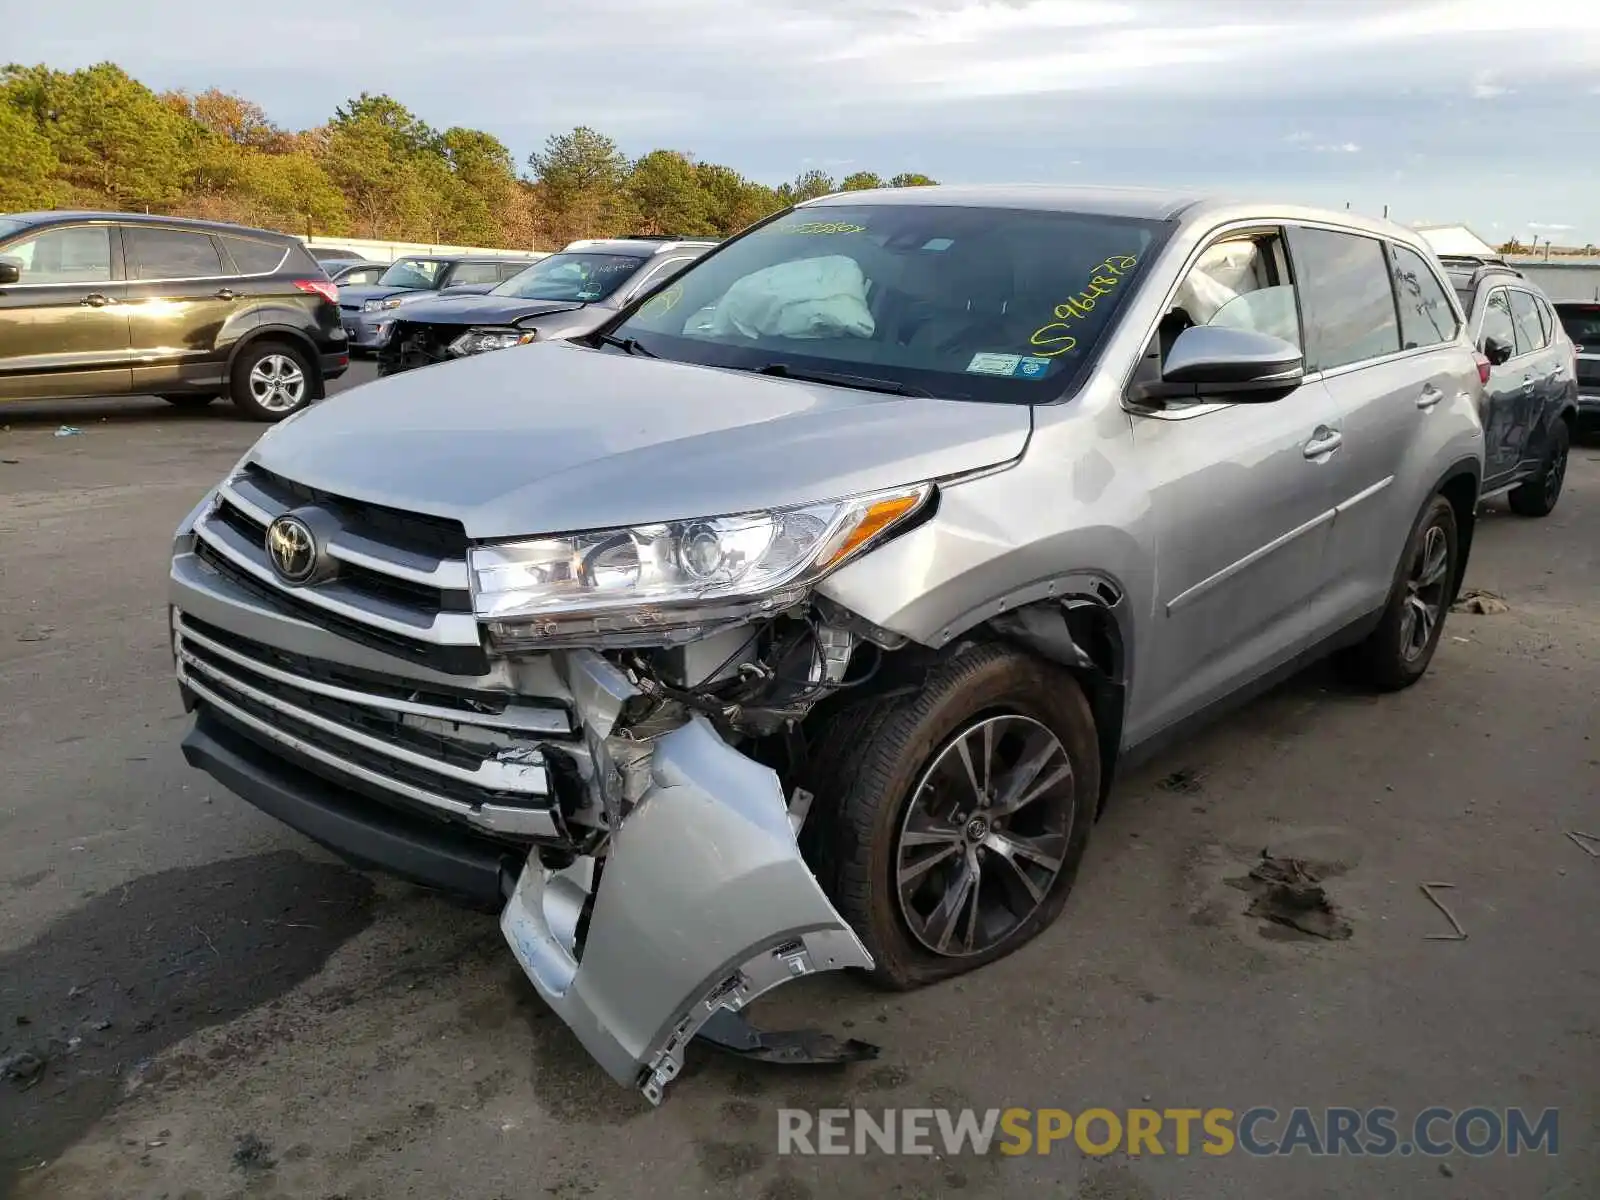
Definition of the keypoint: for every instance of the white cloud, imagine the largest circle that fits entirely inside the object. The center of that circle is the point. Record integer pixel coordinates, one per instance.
(1552, 228)
(1338, 148)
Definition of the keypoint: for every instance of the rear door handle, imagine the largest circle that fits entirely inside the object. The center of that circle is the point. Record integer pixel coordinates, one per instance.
(1553, 374)
(226, 294)
(1429, 397)
(1324, 441)
(96, 300)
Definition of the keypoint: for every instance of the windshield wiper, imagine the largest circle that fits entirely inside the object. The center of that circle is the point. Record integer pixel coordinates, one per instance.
(865, 383)
(626, 345)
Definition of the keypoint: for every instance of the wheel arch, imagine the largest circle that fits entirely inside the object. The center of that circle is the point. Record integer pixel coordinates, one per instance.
(1085, 633)
(1461, 484)
(281, 333)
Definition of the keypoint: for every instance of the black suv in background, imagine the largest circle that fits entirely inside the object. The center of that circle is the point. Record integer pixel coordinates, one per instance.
(1581, 320)
(109, 304)
(368, 310)
(564, 295)
(1531, 390)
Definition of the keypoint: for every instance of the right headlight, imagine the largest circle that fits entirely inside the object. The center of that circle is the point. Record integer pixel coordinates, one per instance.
(676, 574)
(482, 340)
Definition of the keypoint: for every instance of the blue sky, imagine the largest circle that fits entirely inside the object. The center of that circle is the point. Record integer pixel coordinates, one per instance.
(1445, 110)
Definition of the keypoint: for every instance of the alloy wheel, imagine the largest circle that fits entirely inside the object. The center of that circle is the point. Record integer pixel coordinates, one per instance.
(277, 383)
(985, 835)
(1425, 593)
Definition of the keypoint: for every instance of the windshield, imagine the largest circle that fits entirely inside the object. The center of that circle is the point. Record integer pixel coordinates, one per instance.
(572, 277)
(973, 303)
(419, 273)
(1582, 323)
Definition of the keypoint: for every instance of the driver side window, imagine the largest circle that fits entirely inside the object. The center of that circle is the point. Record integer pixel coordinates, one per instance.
(1237, 283)
(1241, 281)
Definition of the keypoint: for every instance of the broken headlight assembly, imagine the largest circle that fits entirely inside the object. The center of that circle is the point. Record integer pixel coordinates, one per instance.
(482, 340)
(681, 577)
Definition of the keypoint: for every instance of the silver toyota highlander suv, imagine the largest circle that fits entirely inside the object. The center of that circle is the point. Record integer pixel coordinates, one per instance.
(798, 620)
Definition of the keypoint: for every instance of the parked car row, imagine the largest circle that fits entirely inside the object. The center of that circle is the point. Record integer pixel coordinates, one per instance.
(799, 616)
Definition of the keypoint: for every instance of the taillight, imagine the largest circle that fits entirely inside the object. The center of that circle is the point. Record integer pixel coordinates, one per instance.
(325, 288)
(1484, 367)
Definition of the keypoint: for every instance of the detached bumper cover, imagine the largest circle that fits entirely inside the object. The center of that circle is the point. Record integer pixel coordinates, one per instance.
(703, 905)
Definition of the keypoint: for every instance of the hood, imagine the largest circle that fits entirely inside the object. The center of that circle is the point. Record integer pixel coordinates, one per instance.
(457, 309)
(554, 438)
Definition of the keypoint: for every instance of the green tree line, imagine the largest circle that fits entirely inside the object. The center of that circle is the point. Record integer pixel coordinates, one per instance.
(98, 138)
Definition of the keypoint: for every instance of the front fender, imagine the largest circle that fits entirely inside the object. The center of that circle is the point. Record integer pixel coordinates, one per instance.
(702, 904)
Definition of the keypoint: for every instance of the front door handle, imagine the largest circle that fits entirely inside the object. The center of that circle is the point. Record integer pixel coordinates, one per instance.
(96, 300)
(1429, 397)
(1528, 382)
(226, 294)
(1323, 442)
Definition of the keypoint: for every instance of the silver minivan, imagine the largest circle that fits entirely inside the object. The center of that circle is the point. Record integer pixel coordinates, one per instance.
(799, 619)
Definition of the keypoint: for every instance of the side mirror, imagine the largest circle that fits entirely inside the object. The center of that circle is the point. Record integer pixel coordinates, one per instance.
(1496, 350)
(1211, 362)
(10, 271)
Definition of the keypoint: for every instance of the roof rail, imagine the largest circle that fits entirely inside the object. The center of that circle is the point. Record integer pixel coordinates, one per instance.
(1475, 260)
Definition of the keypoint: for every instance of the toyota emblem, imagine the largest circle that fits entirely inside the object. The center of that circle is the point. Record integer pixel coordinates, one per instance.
(292, 549)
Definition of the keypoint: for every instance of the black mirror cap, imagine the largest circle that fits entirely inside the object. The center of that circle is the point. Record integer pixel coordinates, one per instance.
(1496, 350)
(1241, 365)
(9, 272)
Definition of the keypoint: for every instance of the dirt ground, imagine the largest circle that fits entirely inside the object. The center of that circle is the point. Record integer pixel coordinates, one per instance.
(222, 1010)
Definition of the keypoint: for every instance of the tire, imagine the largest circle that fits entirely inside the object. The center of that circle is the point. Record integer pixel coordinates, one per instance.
(1393, 656)
(872, 759)
(251, 383)
(1538, 496)
(188, 400)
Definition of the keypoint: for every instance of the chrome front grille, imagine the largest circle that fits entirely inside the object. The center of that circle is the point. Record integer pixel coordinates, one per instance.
(400, 579)
(493, 760)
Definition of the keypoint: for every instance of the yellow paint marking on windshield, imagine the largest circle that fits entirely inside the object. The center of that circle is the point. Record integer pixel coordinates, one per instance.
(662, 303)
(1058, 333)
(822, 227)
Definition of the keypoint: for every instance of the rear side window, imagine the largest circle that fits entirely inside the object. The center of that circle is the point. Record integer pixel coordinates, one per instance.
(510, 269)
(1497, 321)
(475, 272)
(1525, 316)
(76, 254)
(1546, 318)
(1426, 316)
(169, 254)
(253, 257)
(1348, 301)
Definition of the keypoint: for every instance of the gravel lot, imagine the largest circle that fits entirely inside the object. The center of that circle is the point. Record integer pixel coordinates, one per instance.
(226, 1011)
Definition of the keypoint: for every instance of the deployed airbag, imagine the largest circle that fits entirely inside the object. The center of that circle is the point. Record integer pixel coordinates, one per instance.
(807, 298)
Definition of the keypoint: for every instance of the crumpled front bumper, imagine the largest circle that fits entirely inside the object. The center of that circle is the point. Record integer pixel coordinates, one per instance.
(703, 903)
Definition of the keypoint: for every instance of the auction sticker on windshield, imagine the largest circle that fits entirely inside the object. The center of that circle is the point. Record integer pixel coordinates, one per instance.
(988, 362)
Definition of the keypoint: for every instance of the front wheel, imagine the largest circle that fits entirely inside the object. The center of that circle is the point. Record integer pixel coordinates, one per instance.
(1537, 497)
(1397, 653)
(958, 816)
(270, 380)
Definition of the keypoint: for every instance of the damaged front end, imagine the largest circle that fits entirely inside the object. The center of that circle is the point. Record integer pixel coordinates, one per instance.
(687, 896)
(684, 896)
